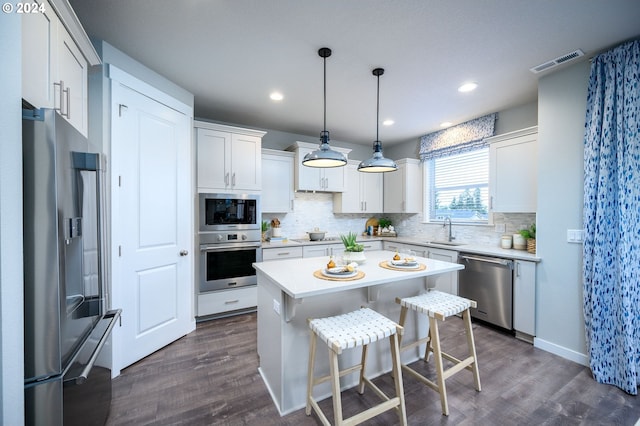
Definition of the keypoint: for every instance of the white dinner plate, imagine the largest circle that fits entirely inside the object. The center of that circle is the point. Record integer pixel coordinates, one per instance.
(405, 263)
(339, 271)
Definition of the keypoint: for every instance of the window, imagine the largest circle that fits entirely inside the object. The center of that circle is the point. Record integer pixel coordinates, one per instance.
(458, 186)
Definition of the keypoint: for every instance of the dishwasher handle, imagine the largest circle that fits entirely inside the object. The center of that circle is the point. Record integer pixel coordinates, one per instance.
(496, 260)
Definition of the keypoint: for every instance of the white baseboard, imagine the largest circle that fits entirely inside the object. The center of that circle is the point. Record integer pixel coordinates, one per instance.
(561, 351)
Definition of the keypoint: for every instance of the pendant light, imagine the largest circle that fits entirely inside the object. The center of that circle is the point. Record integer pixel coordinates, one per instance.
(324, 156)
(377, 163)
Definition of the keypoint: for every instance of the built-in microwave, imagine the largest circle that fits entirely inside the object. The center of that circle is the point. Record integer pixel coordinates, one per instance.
(225, 212)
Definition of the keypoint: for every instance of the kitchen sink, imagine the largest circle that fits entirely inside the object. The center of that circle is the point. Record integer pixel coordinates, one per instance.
(445, 243)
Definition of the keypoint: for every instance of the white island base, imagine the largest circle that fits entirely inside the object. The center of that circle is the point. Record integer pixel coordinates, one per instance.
(289, 294)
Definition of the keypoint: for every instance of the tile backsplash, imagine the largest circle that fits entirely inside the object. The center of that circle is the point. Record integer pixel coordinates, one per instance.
(315, 210)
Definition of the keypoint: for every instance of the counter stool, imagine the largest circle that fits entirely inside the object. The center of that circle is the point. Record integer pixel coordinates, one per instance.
(357, 328)
(438, 306)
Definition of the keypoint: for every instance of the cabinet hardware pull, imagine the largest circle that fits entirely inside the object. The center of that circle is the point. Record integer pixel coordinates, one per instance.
(233, 179)
(68, 92)
(229, 302)
(184, 252)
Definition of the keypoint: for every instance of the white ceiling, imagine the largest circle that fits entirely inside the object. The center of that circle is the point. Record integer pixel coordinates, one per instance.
(232, 53)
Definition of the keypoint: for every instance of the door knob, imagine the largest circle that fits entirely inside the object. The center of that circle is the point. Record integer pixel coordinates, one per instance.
(183, 252)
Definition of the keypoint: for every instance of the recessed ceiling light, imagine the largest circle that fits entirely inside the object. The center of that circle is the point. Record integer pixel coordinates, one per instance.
(276, 96)
(446, 124)
(388, 122)
(467, 87)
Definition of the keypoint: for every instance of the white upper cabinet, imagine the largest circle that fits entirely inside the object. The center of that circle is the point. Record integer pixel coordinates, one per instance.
(71, 82)
(403, 188)
(229, 159)
(39, 60)
(513, 171)
(54, 67)
(362, 193)
(313, 178)
(277, 181)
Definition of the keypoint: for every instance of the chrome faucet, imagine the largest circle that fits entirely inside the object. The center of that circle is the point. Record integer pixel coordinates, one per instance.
(444, 224)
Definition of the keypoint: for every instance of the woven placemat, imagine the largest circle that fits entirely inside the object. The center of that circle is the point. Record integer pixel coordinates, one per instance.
(319, 274)
(386, 265)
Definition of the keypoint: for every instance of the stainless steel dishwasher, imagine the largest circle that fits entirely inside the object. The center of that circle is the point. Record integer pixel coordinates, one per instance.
(488, 281)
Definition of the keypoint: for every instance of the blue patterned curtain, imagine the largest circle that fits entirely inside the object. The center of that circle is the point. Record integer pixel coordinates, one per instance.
(464, 137)
(611, 269)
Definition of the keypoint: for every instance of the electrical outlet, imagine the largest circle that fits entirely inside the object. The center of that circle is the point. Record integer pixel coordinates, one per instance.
(501, 227)
(276, 306)
(575, 236)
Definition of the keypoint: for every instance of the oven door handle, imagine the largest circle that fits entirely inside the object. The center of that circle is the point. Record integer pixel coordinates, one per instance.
(219, 247)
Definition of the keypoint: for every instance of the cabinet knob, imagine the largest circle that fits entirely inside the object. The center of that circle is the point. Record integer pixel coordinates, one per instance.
(184, 252)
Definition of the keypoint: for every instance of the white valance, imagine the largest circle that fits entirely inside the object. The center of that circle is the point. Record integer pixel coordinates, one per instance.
(464, 137)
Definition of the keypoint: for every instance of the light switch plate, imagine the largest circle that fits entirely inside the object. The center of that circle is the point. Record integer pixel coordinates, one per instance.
(575, 236)
(501, 227)
(276, 306)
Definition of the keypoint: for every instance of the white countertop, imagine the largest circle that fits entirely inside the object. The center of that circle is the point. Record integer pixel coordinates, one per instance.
(295, 276)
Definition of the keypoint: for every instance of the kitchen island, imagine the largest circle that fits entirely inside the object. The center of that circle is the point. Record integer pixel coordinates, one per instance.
(289, 293)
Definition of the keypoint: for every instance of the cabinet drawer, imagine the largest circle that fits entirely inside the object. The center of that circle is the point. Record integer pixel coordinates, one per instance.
(217, 302)
(372, 245)
(281, 253)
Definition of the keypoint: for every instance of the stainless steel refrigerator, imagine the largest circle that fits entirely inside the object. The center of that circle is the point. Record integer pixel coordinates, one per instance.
(66, 325)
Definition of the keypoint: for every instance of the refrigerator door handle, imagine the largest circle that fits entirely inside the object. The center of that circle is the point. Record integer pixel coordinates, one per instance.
(115, 314)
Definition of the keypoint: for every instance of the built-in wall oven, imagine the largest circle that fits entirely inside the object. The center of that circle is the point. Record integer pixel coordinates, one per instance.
(227, 263)
(229, 238)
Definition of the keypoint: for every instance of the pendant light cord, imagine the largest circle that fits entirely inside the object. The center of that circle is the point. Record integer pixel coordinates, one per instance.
(325, 93)
(378, 109)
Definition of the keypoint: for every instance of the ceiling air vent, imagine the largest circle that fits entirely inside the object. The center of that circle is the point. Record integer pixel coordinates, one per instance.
(557, 61)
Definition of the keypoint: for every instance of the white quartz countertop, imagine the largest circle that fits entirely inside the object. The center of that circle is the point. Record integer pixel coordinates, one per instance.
(295, 276)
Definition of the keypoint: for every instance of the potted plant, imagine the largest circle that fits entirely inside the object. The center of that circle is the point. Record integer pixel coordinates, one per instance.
(353, 251)
(384, 223)
(265, 226)
(529, 235)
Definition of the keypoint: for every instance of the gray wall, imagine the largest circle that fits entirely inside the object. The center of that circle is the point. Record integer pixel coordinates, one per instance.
(515, 118)
(509, 120)
(11, 285)
(562, 105)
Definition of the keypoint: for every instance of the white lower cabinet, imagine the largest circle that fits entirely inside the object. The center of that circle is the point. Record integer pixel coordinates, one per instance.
(448, 282)
(322, 250)
(524, 298)
(217, 302)
(371, 245)
(280, 253)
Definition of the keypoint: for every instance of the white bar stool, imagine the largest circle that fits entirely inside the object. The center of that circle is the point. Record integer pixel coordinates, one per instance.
(438, 306)
(357, 328)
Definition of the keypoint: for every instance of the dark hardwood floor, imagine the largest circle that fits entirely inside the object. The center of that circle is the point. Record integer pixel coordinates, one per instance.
(211, 377)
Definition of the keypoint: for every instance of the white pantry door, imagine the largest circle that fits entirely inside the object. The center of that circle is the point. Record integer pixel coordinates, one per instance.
(152, 220)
